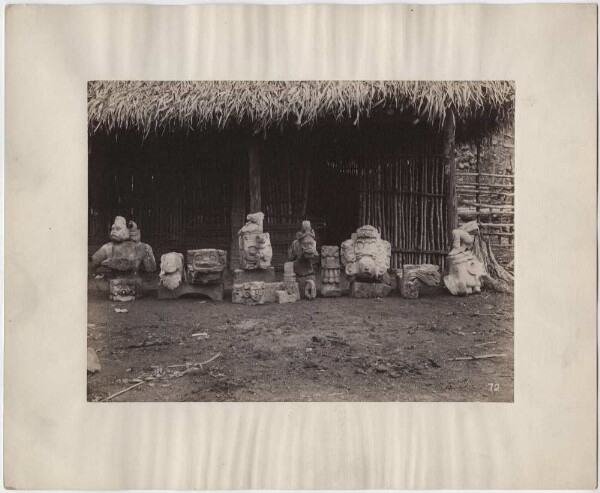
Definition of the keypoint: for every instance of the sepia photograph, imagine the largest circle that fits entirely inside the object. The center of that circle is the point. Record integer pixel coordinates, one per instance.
(301, 241)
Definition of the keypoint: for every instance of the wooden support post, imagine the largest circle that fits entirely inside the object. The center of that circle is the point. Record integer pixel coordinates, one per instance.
(254, 177)
(450, 172)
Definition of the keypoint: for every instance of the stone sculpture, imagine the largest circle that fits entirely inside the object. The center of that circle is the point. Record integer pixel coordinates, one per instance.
(255, 259)
(302, 252)
(464, 268)
(330, 271)
(125, 255)
(202, 273)
(291, 293)
(254, 244)
(366, 258)
(250, 293)
(415, 276)
(172, 273)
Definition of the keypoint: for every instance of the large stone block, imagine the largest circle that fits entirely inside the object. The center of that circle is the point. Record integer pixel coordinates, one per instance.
(369, 289)
(213, 291)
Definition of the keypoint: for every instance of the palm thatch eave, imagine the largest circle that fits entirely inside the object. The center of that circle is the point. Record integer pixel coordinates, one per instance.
(163, 106)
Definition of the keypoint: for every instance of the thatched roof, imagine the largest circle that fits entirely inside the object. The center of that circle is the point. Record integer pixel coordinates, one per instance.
(165, 106)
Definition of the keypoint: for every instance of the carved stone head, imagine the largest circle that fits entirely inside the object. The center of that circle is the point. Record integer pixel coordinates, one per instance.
(366, 256)
(119, 231)
(305, 244)
(172, 273)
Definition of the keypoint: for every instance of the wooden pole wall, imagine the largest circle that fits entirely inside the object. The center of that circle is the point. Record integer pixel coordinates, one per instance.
(254, 177)
(450, 174)
(238, 212)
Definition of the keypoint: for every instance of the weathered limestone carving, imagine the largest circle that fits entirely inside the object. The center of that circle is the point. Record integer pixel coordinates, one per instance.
(330, 271)
(250, 293)
(416, 276)
(254, 244)
(202, 273)
(291, 293)
(206, 265)
(464, 268)
(256, 275)
(124, 288)
(124, 255)
(366, 258)
(172, 273)
(302, 252)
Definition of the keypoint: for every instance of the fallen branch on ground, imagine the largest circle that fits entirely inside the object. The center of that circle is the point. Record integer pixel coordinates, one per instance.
(123, 391)
(483, 356)
(189, 365)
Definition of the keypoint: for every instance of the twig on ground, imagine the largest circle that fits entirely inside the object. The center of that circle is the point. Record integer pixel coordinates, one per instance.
(486, 344)
(483, 356)
(196, 364)
(122, 391)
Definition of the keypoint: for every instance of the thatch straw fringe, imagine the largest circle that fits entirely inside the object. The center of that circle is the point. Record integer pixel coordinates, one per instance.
(149, 106)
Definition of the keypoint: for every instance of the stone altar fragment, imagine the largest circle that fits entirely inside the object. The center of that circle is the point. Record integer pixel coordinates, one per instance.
(330, 271)
(124, 255)
(366, 258)
(416, 276)
(464, 269)
(203, 273)
(254, 245)
(302, 252)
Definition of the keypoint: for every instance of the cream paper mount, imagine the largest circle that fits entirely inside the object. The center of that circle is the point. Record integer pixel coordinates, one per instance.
(53, 438)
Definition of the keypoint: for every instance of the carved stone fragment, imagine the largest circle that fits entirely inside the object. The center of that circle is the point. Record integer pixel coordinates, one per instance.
(249, 293)
(464, 268)
(302, 252)
(416, 276)
(203, 273)
(254, 245)
(366, 258)
(330, 271)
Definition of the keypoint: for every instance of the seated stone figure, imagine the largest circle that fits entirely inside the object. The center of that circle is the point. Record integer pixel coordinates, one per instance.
(465, 270)
(254, 245)
(302, 251)
(366, 258)
(124, 255)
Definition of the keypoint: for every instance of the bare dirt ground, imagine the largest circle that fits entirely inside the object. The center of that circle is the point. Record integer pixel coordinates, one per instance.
(341, 349)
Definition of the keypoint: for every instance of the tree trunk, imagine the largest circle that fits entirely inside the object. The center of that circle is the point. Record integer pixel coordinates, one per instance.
(498, 278)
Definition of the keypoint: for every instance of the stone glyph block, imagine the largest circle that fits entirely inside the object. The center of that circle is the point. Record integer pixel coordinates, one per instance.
(330, 271)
